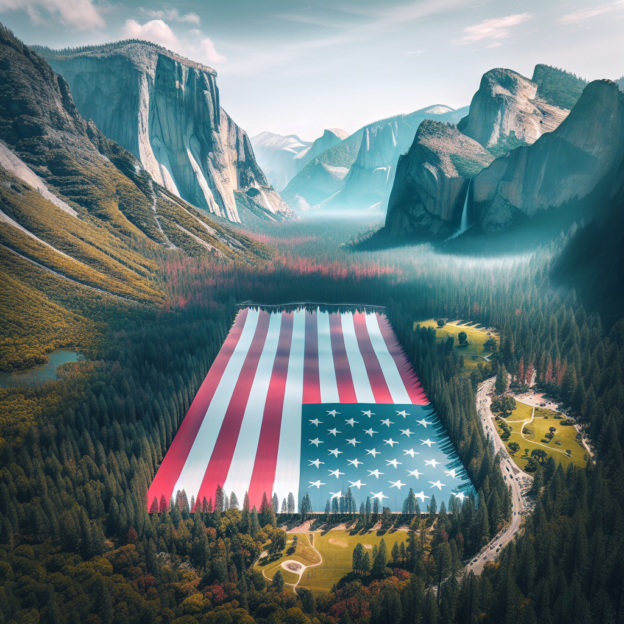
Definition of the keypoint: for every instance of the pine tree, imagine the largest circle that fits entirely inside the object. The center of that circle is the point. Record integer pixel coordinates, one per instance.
(358, 555)
(278, 582)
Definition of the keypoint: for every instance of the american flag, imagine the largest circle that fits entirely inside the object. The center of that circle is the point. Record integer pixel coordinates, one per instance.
(310, 402)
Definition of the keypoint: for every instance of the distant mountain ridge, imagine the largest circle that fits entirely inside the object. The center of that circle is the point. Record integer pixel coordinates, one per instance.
(347, 176)
(166, 110)
(282, 157)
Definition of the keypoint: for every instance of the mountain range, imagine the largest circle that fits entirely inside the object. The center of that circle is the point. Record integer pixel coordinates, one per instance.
(81, 220)
(517, 155)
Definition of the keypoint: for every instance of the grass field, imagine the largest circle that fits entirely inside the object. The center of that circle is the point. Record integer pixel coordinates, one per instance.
(473, 351)
(336, 548)
(544, 419)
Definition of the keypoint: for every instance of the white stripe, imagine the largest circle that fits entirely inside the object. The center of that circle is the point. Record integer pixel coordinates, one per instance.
(386, 361)
(289, 452)
(359, 375)
(192, 474)
(241, 468)
(327, 372)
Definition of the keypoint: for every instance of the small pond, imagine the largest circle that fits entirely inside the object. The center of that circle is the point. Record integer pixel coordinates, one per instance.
(41, 374)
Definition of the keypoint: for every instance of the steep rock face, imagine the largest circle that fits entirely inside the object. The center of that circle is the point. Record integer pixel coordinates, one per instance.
(369, 156)
(563, 165)
(276, 156)
(165, 110)
(506, 112)
(432, 181)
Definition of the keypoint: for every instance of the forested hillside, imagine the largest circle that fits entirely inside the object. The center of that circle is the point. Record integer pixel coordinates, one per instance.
(77, 457)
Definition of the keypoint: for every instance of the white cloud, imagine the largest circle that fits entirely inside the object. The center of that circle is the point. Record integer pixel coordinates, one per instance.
(583, 14)
(202, 49)
(78, 13)
(172, 15)
(496, 28)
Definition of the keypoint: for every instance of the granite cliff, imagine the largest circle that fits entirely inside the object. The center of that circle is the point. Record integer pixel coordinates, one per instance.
(165, 110)
(564, 165)
(546, 155)
(432, 181)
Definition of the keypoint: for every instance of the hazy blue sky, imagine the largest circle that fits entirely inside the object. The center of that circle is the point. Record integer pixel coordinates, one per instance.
(298, 67)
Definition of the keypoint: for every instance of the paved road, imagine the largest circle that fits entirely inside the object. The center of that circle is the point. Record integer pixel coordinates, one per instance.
(519, 481)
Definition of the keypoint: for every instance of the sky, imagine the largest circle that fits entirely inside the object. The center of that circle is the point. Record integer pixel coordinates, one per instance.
(297, 67)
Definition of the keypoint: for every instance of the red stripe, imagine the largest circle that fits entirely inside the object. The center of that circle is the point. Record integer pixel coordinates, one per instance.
(375, 374)
(221, 458)
(346, 391)
(410, 381)
(311, 382)
(174, 460)
(263, 475)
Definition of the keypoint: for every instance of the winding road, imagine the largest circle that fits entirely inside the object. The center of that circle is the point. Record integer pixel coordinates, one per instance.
(518, 480)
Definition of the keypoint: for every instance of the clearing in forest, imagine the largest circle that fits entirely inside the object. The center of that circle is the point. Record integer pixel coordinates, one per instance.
(533, 436)
(336, 549)
(474, 349)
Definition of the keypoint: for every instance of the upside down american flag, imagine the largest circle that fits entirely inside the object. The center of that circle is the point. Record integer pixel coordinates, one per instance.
(310, 402)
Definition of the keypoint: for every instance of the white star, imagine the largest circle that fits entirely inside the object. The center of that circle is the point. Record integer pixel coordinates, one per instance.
(374, 452)
(403, 413)
(396, 484)
(424, 423)
(407, 432)
(333, 432)
(437, 484)
(387, 422)
(358, 484)
(450, 473)
(353, 441)
(414, 473)
(428, 442)
(393, 462)
(335, 452)
(461, 496)
(354, 462)
(336, 473)
(422, 496)
(411, 452)
(367, 413)
(374, 472)
(379, 495)
(316, 462)
(338, 495)
(316, 442)
(369, 432)
(428, 462)
(332, 413)
(316, 422)
(316, 484)
(351, 422)
(391, 442)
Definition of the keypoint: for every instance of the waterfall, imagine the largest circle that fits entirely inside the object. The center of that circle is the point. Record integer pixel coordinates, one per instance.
(463, 226)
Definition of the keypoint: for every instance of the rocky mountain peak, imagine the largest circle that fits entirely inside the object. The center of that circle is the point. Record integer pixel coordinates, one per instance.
(506, 112)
